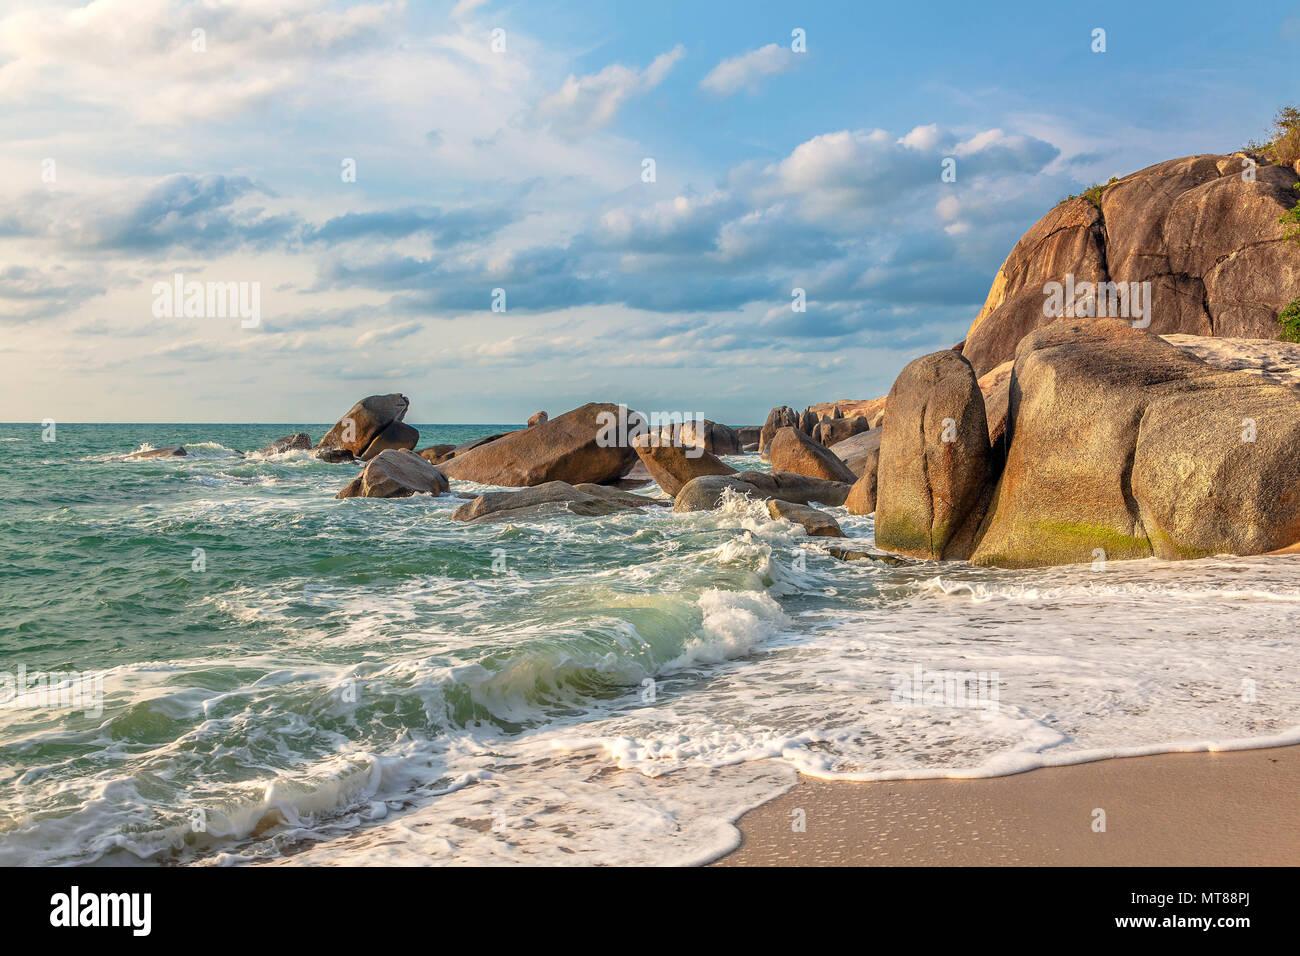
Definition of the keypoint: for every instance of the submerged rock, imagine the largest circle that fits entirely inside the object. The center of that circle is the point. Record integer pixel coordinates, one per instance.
(396, 473)
(298, 442)
(549, 498)
(705, 493)
(818, 524)
(175, 451)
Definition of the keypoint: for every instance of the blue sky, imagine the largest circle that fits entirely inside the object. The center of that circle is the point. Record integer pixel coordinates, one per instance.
(131, 156)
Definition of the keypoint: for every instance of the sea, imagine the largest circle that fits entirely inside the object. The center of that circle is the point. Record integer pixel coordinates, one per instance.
(210, 661)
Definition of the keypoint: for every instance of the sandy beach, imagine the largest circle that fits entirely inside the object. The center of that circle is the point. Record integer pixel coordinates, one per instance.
(1239, 808)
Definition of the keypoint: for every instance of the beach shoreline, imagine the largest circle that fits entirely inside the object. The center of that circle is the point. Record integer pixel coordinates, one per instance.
(1227, 808)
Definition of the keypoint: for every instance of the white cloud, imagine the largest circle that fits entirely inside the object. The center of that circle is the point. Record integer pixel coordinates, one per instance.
(747, 70)
(591, 101)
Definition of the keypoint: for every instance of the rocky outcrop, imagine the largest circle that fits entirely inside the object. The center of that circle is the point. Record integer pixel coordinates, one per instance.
(836, 430)
(862, 496)
(436, 454)
(794, 452)
(807, 421)
(574, 447)
(704, 494)
(371, 426)
(546, 499)
(783, 416)
(334, 455)
(934, 460)
(1207, 241)
(672, 466)
(538, 418)
(1123, 446)
(860, 451)
(298, 442)
(818, 524)
(396, 473)
(175, 451)
(747, 435)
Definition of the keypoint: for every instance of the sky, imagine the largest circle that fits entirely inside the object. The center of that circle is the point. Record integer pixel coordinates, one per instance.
(375, 170)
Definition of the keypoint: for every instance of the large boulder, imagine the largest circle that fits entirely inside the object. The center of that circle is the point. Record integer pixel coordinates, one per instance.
(807, 421)
(574, 447)
(396, 473)
(747, 435)
(818, 524)
(1207, 241)
(436, 454)
(538, 418)
(1123, 446)
(705, 493)
(836, 430)
(783, 416)
(793, 451)
(298, 442)
(548, 498)
(862, 496)
(714, 438)
(861, 450)
(672, 465)
(934, 460)
(370, 421)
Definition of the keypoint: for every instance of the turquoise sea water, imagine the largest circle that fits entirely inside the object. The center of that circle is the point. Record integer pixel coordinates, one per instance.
(290, 678)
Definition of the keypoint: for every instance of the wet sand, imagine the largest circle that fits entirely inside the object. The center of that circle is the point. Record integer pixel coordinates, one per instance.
(1238, 808)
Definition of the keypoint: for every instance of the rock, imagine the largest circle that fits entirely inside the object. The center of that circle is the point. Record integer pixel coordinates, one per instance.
(638, 473)
(883, 557)
(547, 498)
(396, 436)
(934, 469)
(1209, 244)
(868, 408)
(673, 466)
(396, 473)
(175, 451)
(624, 498)
(298, 442)
(366, 421)
(751, 449)
(1274, 361)
(838, 429)
(1123, 446)
(996, 386)
(334, 455)
(859, 451)
(862, 496)
(539, 418)
(714, 438)
(705, 493)
(807, 421)
(793, 451)
(748, 434)
(575, 447)
(818, 524)
(780, 417)
(436, 454)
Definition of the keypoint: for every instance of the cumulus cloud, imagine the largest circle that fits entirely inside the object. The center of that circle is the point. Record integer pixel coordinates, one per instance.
(748, 70)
